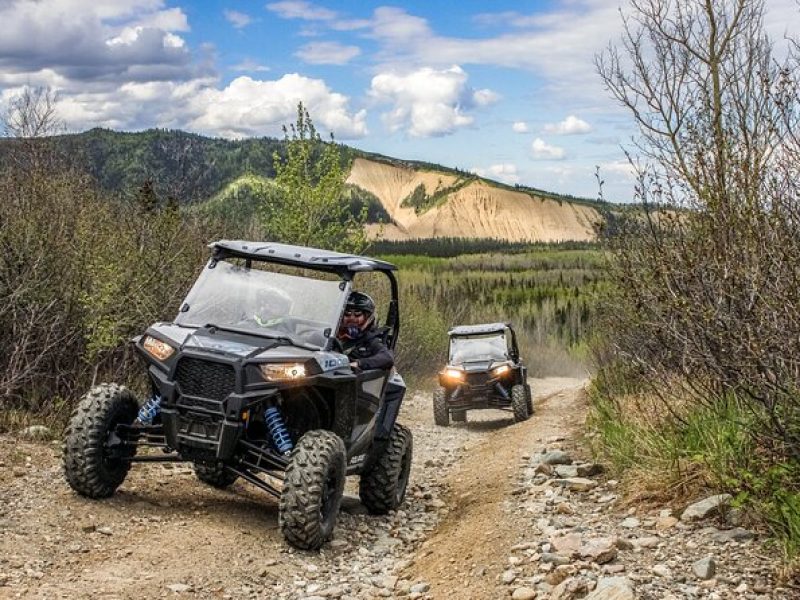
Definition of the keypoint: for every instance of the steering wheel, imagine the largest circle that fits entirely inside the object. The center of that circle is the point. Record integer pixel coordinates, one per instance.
(336, 344)
(276, 324)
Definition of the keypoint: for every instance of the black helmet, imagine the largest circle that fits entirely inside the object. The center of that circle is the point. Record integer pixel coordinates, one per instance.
(360, 301)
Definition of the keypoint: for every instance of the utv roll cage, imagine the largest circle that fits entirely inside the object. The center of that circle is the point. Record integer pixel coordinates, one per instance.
(345, 266)
(487, 328)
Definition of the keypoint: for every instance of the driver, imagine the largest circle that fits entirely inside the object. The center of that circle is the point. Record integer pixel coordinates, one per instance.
(362, 342)
(273, 306)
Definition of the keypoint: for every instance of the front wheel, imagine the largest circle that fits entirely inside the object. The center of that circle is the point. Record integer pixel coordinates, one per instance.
(96, 462)
(312, 489)
(383, 487)
(519, 403)
(441, 414)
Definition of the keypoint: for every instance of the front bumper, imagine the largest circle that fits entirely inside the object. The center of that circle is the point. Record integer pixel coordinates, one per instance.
(478, 390)
(201, 411)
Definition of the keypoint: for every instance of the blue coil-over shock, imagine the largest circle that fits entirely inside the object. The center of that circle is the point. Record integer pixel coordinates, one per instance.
(277, 430)
(149, 410)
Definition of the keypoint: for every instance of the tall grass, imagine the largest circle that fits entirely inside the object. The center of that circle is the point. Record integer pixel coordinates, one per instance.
(672, 456)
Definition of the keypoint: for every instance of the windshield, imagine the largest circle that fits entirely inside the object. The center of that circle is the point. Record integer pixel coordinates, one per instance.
(490, 346)
(264, 303)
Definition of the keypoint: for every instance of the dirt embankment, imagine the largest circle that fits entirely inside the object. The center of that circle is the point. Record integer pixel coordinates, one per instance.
(476, 210)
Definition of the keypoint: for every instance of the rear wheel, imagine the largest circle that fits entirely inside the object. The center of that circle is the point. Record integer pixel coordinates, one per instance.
(95, 460)
(215, 475)
(383, 487)
(519, 403)
(529, 395)
(312, 489)
(441, 414)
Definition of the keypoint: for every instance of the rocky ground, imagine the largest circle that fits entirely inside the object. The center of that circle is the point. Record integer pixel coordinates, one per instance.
(494, 510)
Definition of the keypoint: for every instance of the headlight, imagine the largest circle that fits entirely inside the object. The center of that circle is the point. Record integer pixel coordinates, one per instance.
(283, 371)
(501, 370)
(157, 349)
(456, 374)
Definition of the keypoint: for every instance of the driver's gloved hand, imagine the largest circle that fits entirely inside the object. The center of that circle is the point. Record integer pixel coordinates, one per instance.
(267, 322)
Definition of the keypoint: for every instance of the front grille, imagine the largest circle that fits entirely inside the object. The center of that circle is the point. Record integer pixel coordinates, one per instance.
(206, 379)
(477, 379)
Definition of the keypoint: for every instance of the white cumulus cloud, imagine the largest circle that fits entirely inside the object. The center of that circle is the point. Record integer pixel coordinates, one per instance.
(395, 26)
(298, 9)
(172, 19)
(249, 107)
(427, 102)
(505, 172)
(541, 150)
(622, 168)
(103, 42)
(238, 19)
(132, 105)
(327, 53)
(245, 107)
(125, 64)
(485, 97)
(557, 44)
(251, 66)
(520, 127)
(572, 125)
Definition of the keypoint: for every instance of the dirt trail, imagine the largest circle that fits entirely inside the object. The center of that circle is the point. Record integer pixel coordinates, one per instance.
(166, 535)
(480, 521)
(469, 549)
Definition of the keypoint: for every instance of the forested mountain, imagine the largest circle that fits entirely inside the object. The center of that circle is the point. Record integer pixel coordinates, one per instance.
(186, 166)
(229, 178)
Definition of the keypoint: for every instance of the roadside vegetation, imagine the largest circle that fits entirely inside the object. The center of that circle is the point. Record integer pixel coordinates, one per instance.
(305, 206)
(699, 380)
(80, 272)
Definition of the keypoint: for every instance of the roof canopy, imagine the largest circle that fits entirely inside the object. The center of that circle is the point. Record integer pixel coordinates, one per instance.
(299, 256)
(479, 329)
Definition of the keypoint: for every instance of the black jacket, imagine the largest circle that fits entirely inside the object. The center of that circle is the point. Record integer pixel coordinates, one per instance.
(369, 350)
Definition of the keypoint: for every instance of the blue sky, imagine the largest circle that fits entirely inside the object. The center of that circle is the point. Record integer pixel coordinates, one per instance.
(505, 89)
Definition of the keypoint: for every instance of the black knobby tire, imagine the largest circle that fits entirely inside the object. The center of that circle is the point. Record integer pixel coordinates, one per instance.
(519, 403)
(459, 416)
(312, 489)
(90, 468)
(441, 414)
(215, 475)
(383, 486)
(529, 396)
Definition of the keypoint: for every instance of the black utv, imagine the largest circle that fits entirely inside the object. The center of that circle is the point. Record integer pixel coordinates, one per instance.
(483, 371)
(250, 381)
